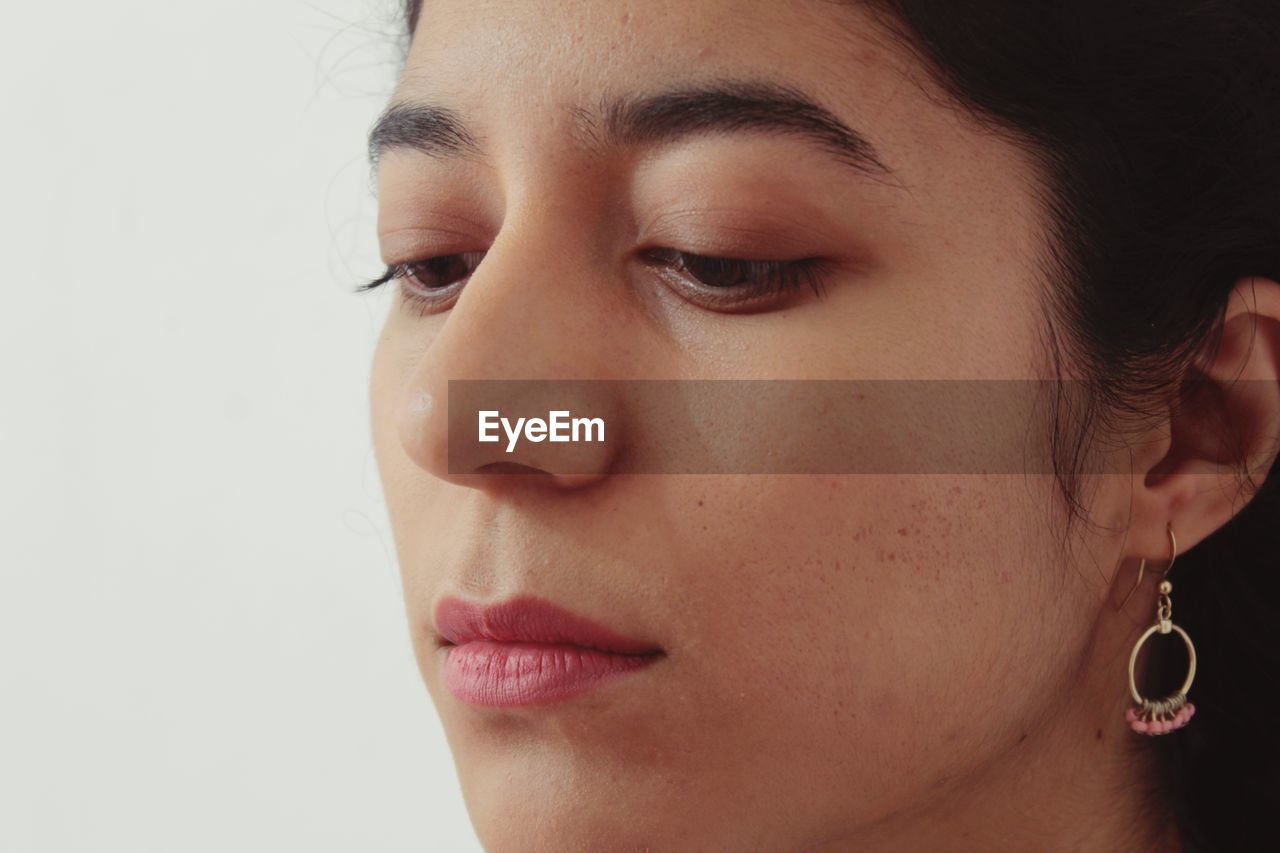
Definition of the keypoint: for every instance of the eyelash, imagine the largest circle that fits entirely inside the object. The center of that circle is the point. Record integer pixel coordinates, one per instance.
(416, 297)
(763, 277)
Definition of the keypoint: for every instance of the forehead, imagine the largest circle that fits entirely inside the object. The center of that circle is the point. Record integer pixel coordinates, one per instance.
(545, 53)
(507, 64)
(518, 73)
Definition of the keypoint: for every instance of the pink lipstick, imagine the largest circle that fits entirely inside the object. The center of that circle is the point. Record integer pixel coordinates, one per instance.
(528, 651)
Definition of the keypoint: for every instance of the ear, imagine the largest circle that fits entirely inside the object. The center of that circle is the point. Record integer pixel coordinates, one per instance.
(1207, 460)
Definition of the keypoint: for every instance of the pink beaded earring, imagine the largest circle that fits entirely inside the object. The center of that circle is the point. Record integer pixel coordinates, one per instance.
(1161, 716)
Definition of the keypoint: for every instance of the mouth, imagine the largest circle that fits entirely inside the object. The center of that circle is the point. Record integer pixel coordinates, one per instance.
(528, 651)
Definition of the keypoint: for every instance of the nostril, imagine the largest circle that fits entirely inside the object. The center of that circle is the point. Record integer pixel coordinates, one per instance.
(497, 474)
(508, 468)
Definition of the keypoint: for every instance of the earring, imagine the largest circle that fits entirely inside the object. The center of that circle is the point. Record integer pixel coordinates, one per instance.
(1160, 716)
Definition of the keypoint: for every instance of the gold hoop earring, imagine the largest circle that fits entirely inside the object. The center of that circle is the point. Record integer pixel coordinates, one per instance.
(1161, 716)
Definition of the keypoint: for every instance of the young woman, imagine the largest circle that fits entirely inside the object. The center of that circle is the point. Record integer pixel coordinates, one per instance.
(934, 653)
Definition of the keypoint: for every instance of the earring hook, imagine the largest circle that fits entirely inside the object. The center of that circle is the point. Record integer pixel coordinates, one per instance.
(1173, 549)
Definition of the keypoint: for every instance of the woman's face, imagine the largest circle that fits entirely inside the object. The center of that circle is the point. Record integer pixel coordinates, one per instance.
(840, 651)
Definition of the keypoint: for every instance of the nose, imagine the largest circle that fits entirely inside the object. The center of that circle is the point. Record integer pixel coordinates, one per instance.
(515, 386)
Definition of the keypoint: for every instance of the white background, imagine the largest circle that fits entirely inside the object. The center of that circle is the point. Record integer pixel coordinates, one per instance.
(202, 638)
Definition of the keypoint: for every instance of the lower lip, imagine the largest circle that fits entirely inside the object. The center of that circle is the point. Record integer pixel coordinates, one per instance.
(504, 675)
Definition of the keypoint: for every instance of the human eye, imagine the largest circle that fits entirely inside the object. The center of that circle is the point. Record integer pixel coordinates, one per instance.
(736, 284)
(429, 285)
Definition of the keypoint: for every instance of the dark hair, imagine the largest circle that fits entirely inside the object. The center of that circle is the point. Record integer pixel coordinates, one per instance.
(1156, 124)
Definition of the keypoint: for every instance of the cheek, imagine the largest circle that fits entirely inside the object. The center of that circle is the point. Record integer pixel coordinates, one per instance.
(861, 620)
(397, 408)
(408, 491)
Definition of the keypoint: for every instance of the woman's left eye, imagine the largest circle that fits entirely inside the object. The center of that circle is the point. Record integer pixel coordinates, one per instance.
(735, 282)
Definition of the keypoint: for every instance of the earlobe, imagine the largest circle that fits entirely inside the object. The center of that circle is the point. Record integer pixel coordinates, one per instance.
(1223, 432)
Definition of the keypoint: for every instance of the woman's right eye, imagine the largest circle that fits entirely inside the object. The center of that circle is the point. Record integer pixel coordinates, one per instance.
(442, 271)
(431, 284)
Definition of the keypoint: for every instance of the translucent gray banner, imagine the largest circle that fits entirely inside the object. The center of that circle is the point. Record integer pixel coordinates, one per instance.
(826, 426)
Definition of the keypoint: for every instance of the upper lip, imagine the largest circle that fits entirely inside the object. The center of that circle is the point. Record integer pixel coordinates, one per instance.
(528, 619)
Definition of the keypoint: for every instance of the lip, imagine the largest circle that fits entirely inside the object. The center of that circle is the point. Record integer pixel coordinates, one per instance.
(528, 651)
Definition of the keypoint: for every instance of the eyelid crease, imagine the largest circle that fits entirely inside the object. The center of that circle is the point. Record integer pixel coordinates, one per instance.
(412, 244)
(785, 234)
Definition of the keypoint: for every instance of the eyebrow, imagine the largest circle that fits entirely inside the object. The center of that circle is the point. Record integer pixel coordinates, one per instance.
(727, 107)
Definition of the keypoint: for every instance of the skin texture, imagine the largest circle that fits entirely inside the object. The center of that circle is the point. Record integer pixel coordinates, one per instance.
(871, 662)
